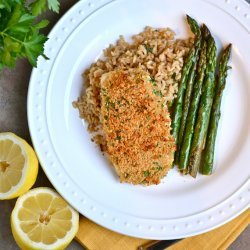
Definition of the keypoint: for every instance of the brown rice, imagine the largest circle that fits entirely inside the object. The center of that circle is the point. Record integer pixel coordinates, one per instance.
(153, 50)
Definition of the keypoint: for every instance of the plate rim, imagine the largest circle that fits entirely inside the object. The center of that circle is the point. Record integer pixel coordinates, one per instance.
(102, 219)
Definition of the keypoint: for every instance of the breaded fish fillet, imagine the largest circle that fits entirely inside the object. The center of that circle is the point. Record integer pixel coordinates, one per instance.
(136, 126)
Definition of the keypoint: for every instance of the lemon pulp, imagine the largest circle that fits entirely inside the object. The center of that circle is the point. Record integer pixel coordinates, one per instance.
(11, 165)
(42, 219)
(18, 166)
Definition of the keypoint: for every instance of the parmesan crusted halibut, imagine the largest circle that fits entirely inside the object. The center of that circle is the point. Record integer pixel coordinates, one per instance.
(136, 126)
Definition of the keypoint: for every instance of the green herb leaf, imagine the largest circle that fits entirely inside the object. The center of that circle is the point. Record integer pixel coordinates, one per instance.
(20, 35)
(20, 25)
(157, 93)
(5, 4)
(54, 5)
(10, 51)
(112, 104)
(118, 138)
(146, 173)
(44, 23)
(152, 80)
(107, 102)
(39, 6)
(148, 48)
(158, 166)
(33, 47)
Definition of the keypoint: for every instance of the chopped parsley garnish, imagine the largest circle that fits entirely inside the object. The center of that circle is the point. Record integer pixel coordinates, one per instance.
(158, 166)
(107, 102)
(148, 48)
(170, 104)
(104, 91)
(106, 117)
(118, 138)
(112, 104)
(157, 93)
(174, 76)
(152, 80)
(146, 173)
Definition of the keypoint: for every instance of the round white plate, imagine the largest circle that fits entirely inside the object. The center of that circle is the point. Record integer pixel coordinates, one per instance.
(179, 206)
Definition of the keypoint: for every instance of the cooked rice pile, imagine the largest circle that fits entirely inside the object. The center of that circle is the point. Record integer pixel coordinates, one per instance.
(153, 50)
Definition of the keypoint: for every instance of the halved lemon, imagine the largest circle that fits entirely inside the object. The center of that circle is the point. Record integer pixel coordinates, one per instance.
(41, 219)
(18, 166)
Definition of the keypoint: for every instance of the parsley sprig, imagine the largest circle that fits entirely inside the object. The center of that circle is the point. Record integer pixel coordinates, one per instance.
(20, 35)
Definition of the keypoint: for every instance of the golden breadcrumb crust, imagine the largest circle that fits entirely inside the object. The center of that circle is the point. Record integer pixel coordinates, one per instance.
(136, 125)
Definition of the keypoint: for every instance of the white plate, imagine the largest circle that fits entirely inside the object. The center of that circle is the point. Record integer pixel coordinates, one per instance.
(179, 206)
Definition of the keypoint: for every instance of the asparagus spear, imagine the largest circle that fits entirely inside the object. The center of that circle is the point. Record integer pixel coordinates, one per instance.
(176, 119)
(189, 61)
(205, 105)
(187, 98)
(193, 25)
(215, 114)
(192, 112)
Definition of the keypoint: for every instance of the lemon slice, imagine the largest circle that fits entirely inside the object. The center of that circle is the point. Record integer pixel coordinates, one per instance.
(18, 166)
(41, 219)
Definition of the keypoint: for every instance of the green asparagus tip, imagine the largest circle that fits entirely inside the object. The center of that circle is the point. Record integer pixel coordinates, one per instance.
(225, 57)
(205, 30)
(194, 26)
(189, 18)
(229, 48)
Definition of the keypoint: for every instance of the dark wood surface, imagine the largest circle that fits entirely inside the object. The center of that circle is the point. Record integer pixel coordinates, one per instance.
(13, 117)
